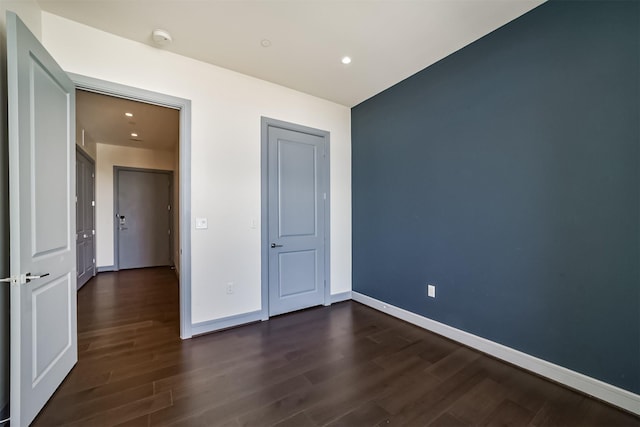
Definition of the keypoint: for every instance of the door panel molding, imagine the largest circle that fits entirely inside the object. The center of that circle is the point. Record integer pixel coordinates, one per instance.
(266, 124)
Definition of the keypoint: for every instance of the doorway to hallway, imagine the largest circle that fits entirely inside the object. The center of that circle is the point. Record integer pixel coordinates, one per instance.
(182, 186)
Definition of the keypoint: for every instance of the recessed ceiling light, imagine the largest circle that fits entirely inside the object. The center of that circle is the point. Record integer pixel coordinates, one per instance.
(128, 114)
(346, 60)
(134, 135)
(265, 42)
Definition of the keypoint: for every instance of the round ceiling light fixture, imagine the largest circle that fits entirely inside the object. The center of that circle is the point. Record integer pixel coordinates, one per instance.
(161, 37)
(346, 60)
(265, 42)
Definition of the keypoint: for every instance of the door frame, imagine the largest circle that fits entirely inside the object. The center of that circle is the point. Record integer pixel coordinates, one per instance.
(80, 152)
(116, 209)
(184, 205)
(266, 123)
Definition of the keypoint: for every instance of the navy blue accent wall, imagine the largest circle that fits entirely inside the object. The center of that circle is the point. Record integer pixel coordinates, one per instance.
(508, 174)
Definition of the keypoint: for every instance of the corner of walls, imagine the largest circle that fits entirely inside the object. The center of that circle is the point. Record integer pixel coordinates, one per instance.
(29, 12)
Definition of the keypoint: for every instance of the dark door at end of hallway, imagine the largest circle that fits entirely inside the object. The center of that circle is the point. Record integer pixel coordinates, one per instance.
(143, 218)
(85, 229)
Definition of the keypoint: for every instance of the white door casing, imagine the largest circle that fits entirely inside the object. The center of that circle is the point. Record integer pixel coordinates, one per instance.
(41, 100)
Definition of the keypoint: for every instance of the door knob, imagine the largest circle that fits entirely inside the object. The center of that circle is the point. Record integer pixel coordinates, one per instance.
(273, 245)
(31, 277)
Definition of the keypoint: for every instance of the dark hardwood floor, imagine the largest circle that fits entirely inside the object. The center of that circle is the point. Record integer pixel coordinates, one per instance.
(344, 365)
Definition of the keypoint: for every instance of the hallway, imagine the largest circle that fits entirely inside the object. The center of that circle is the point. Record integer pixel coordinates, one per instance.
(341, 365)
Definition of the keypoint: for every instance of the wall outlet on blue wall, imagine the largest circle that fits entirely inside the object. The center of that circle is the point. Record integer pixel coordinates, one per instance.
(431, 291)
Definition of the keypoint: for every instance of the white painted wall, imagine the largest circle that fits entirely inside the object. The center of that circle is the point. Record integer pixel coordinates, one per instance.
(109, 156)
(29, 12)
(225, 145)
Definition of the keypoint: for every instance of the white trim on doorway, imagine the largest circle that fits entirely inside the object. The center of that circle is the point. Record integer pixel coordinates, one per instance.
(184, 105)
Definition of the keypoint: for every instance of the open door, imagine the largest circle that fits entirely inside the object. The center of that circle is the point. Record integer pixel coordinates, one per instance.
(41, 100)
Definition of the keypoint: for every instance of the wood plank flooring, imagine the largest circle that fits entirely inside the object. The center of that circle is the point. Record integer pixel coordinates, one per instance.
(344, 365)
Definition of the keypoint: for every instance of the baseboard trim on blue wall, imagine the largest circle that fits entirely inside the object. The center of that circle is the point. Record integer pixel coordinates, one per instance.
(225, 322)
(614, 395)
(105, 268)
(342, 296)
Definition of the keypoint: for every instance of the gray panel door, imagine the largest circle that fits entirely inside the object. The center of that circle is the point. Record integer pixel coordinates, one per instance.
(41, 101)
(296, 220)
(85, 229)
(143, 219)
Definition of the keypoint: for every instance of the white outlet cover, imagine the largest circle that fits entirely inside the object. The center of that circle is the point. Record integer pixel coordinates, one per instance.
(201, 223)
(431, 291)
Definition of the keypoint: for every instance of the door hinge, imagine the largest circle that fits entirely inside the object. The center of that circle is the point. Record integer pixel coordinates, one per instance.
(324, 196)
(168, 231)
(93, 232)
(93, 175)
(93, 203)
(94, 260)
(168, 207)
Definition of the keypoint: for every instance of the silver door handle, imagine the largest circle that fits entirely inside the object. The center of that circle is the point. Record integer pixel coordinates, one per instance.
(273, 245)
(84, 236)
(29, 277)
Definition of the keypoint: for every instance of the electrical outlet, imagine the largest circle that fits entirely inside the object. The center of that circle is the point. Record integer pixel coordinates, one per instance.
(230, 288)
(201, 224)
(431, 291)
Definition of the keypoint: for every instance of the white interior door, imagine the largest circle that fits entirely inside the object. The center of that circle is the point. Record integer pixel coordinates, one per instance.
(42, 218)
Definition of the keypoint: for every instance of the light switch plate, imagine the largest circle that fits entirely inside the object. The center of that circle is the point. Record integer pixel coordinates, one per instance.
(201, 223)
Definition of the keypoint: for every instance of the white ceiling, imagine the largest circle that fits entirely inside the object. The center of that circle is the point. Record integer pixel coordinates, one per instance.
(104, 120)
(388, 40)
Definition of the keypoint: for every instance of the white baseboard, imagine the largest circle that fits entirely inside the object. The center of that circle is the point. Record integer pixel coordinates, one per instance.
(342, 296)
(614, 395)
(225, 323)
